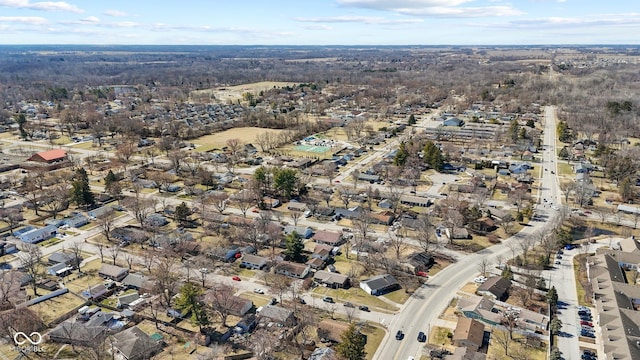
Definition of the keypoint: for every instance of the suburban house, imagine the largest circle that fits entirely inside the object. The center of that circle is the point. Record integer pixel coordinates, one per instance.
(131, 301)
(96, 292)
(62, 258)
(380, 284)
(291, 269)
(60, 269)
(302, 231)
(332, 238)
(412, 200)
(420, 261)
(495, 287)
(253, 262)
(322, 252)
(296, 206)
(384, 217)
(135, 344)
(369, 178)
(468, 333)
(464, 353)
(77, 333)
(115, 273)
(479, 308)
(278, 315)
(76, 221)
(331, 280)
(49, 157)
(237, 306)
(458, 233)
(315, 263)
(454, 121)
(100, 212)
(35, 236)
(137, 281)
(246, 324)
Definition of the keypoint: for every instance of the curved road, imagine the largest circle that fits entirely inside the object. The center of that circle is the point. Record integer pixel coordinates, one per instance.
(428, 302)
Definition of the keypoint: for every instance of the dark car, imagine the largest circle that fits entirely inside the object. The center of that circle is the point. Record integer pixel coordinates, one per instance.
(588, 352)
(348, 304)
(327, 299)
(399, 335)
(364, 308)
(301, 301)
(422, 337)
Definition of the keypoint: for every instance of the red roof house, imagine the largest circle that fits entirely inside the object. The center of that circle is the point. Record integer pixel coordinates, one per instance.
(49, 156)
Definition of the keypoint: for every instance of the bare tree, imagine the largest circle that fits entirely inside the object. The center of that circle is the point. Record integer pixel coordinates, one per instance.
(129, 258)
(148, 259)
(220, 201)
(396, 239)
(31, 262)
(106, 223)
(166, 280)
(344, 195)
(76, 250)
(295, 216)
(502, 339)
(244, 201)
(9, 289)
(483, 266)
(114, 251)
(425, 233)
(101, 247)
(222, 301)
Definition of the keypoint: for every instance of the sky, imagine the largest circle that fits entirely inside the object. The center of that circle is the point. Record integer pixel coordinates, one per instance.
(320, 22)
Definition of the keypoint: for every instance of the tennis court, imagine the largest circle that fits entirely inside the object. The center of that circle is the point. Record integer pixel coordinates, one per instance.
(313, 148)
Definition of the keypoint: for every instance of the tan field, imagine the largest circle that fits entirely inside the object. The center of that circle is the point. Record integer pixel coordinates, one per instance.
(247, 135)
(234, 93)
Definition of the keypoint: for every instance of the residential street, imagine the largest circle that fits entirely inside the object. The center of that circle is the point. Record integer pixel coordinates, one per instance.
(424, 307)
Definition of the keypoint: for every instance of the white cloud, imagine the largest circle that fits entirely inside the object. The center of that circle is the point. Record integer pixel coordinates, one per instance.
(318, 27)
(603, 20)
(126, 24)
(33, 20)
(42, 5)
(358, 19)
(433, 8)
(115, 13)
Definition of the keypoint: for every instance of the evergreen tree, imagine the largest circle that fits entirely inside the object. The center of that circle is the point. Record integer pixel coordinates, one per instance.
(401, 156)
(81, 194)
(112, 184)
(285, 181)
(352, 344)
(433, 156)
(514, 130)
(552, 297)
(507, 273)
(294, 246)
(555, 326)
(412, 120)
(188, 302)
(182, 212)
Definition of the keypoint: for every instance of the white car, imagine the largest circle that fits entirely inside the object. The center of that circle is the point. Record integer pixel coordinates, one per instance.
(258, 291)
(480, 280)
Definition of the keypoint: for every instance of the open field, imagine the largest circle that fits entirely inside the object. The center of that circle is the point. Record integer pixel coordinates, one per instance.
(219, 140)
(54, 308)
(234, 93)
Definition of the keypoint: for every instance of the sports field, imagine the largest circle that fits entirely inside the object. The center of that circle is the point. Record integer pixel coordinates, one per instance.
(313, 148)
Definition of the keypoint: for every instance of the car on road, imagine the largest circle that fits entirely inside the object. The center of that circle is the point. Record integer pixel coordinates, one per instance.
(422, 274)
(364, 308)
(258, 291)
(336, 181)
(236, 278)
(422, 337)
(558, 262)
(349, 305)
(399, 335)
(327, 299)
(553, 172)
(255, 210)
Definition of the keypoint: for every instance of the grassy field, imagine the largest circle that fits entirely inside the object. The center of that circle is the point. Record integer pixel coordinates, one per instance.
(354, 295)
(375, 335)
(54, 308)
(234, 93)
(399, 296)
(517, 350)
(438, 337)
(219, 140)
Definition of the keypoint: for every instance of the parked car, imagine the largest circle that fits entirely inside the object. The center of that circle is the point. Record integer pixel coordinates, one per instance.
(348, 304)
(587, 323)
(301, 301)
(273, 301)
(399, 335)
(327, 299)
(422, 337)
(558, 262)
(422, 274)
(480, 279)
(236, 278)
(364, 308)
(258, 291)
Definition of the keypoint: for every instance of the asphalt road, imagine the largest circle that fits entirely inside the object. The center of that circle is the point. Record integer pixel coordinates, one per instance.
(428, 302)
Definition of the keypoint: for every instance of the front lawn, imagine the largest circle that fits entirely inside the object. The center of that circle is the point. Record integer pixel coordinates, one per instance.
(356, 296)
